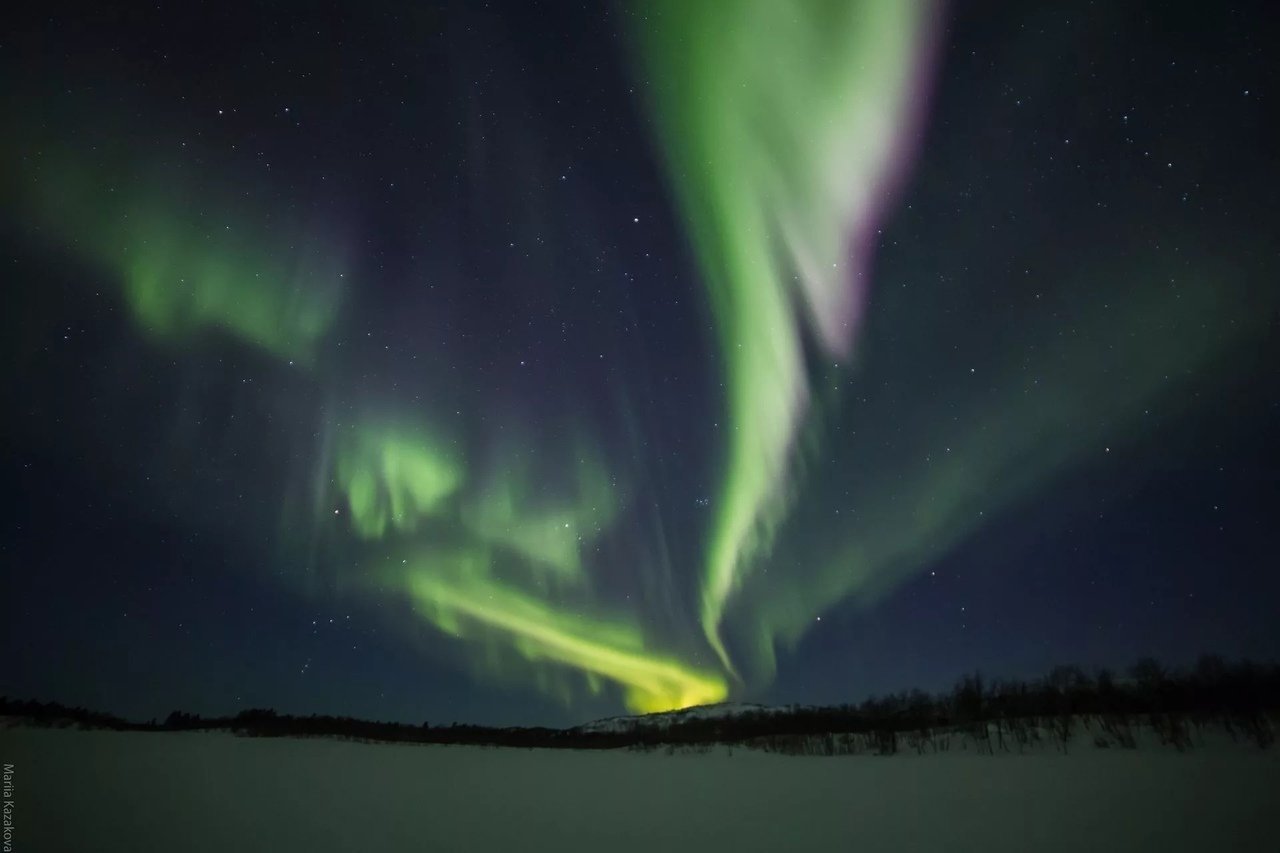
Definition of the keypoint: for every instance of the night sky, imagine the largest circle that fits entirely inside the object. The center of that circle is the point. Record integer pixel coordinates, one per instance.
(532, 362)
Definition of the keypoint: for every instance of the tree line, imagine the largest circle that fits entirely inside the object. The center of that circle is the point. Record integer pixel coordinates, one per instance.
(1242, 698)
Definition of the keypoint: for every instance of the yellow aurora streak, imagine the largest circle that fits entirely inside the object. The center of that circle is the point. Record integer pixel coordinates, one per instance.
(540, 633)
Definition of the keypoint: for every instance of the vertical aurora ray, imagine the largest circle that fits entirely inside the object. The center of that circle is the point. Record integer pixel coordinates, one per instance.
(784, 128)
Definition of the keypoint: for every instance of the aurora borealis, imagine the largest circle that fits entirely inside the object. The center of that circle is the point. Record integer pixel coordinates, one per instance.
(782, 169)
(531, 364)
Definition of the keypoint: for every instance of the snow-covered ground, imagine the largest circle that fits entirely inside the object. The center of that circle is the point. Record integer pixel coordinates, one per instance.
(195, 791)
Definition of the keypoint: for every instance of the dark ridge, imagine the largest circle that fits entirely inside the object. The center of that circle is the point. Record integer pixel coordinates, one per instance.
(1242, 697)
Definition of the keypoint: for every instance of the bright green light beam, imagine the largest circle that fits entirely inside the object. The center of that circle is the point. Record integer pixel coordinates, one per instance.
(783, 127)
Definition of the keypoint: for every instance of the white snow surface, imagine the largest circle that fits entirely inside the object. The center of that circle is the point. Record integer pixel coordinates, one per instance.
(211, 791)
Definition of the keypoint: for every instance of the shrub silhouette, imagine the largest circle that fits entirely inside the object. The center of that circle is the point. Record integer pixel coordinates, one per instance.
(1242, 698)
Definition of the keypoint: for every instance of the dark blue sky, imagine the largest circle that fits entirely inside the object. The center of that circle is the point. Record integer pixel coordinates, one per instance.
(518, 274)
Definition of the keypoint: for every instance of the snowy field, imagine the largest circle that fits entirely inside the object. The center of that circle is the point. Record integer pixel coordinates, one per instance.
(96, 790)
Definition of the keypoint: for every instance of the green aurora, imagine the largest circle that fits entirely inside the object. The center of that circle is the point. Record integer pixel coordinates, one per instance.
(777, 166)
(184, 267)
(393, 478)
(917, 490)
(779, 171)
